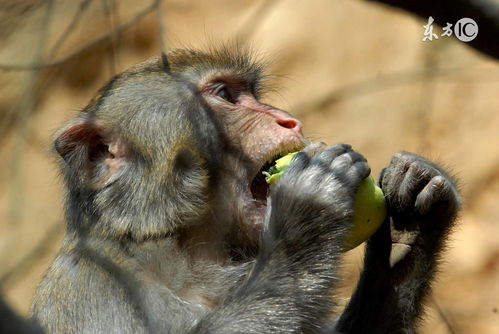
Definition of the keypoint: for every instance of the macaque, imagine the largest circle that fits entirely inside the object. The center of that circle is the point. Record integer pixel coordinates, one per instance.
(171, 227)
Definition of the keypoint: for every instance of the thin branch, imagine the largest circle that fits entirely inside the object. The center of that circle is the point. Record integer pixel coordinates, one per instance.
(161, 27)
(486, 180)
(249, 27)
(41, 249)
(109, 7)
(426, 99)
(119, 29)
(69, 29)
(443, 316)
(26, 107)
(366, 86)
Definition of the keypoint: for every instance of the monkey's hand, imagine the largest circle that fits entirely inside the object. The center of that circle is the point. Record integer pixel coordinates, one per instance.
(401, 257)
(312, 203)
(423, 202)
(309, 214)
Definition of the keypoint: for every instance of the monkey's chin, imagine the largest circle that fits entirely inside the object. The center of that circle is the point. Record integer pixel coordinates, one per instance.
(253, 210)
(254, 216)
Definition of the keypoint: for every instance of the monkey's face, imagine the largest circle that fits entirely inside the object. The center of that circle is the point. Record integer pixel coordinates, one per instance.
(167, 145)
(255, 134)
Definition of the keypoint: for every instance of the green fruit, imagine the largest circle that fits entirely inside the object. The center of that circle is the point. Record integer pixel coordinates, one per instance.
(369, 213)
(275, 172)
(369, 206)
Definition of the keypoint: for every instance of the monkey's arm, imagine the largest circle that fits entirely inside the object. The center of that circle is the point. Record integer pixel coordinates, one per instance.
(289, 288)
(401, 257)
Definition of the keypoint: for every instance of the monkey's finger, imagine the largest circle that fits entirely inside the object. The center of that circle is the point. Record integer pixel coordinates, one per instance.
(380, 177)
(356, 157)
(360, 169)
(350, 166)
(299, 162)
(412, 183)
(435, 191)
(416, 178)
(314, 148)
(327, 156)
(350, 157)
(393, 176)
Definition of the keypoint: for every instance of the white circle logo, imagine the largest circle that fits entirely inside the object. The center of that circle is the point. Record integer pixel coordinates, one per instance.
(466, 29)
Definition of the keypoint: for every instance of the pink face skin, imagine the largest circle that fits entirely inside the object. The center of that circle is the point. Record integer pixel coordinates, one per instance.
(258, 133)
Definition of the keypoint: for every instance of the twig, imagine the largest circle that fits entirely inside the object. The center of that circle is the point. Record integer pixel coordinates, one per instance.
(486, 180)
(41, 249)
(248, 27)
(76, 18)
(426, 100)
(120, 28)
(443, 316)
(110, 12)
(26, 106)
(369, 85)
(9, 117)
(161, 26)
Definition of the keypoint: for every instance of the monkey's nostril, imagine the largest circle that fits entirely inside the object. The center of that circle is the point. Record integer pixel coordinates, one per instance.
(287, 123)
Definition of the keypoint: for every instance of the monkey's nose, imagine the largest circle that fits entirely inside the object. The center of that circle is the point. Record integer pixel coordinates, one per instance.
(290, 123)
(284, 119)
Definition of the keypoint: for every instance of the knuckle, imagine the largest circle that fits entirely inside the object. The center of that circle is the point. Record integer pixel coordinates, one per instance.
(404, 158)
(419, 168)
(439, 181)
(345, 147)
(414, 169)
(324, 156)
(314, 148)
(396, 157)
(356, 156)
(340, 163)
(339, 148)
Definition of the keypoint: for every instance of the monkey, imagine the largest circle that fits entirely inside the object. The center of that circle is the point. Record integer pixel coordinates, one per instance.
(171, 227)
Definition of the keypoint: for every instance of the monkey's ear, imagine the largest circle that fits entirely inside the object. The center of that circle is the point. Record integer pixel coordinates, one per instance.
(95, 157)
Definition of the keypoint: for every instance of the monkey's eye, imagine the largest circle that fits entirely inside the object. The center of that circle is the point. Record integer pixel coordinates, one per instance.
(223, 92)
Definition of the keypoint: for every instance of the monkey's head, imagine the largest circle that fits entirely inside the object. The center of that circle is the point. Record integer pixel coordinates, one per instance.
(172, 142)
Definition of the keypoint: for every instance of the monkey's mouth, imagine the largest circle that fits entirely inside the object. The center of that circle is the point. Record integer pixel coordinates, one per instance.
(259, 187)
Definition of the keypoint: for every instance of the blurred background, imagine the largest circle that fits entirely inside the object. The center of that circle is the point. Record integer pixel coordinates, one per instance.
(352, 71)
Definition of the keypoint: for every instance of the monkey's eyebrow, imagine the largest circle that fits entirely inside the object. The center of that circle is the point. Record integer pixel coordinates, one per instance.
(229, 80)
(227, 75)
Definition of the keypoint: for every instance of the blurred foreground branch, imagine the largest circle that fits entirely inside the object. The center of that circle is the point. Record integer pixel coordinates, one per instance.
(10, 322)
